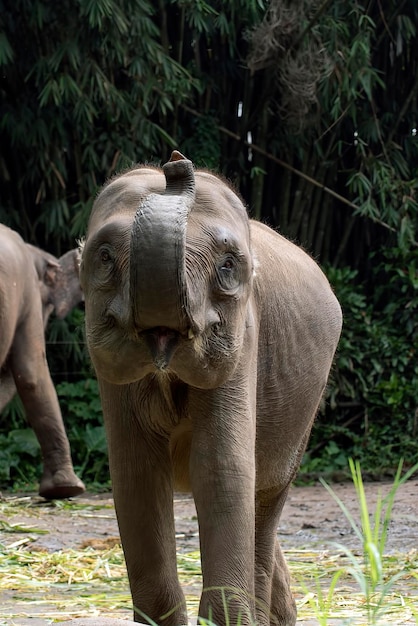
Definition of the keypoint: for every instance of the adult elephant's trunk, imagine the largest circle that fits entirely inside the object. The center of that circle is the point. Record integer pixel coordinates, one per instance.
(157, 270)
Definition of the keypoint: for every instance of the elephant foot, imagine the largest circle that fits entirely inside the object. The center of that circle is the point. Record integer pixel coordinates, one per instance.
(62, 484)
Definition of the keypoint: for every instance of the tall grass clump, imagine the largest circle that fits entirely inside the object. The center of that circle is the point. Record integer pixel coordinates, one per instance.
(372, 577)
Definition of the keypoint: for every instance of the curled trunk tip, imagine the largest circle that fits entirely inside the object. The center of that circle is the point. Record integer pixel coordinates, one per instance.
(177, 156)
(179, 175)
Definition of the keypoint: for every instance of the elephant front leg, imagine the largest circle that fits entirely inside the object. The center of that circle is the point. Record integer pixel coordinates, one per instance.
(222, 472)
(141, 474)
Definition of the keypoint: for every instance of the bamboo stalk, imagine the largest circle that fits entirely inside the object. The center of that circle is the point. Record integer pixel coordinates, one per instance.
(344, 240)
(307, 203)
(258, 181)
(297, 209)
(314, 214)
(326, 245)
(78, 167)
(163, 26)
(284, 210)
(318, 245)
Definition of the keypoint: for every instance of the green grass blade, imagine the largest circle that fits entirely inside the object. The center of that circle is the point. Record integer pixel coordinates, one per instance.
(344, 509)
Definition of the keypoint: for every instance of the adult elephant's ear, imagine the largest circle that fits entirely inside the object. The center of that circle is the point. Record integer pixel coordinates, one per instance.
(51, 273)
(67, 293)
(46, 265)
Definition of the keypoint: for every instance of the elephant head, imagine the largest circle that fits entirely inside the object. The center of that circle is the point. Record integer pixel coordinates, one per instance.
(59, 283)
(169, 273)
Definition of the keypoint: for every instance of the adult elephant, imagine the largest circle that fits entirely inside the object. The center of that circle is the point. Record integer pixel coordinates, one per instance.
(60, 291)
(33, 283)
(212, 337)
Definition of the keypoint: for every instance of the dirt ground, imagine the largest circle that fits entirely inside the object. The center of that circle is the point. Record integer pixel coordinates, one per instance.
(311, 520)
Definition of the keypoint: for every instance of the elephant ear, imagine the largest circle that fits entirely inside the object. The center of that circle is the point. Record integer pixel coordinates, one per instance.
(68, 293)
(51, 273)
(46, 265)
(47, 271)
(59, 282)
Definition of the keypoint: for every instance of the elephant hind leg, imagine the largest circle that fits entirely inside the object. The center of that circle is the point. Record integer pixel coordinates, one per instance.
(37, 392)
(275, 604)
(7, 387)
(7, 383)
(283, 607)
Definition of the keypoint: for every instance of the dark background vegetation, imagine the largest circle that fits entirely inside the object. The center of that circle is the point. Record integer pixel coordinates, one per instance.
(309, 108)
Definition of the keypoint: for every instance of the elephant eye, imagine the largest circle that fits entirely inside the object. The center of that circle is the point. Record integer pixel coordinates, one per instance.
(228, 274)
(105, 256)
(227, 265)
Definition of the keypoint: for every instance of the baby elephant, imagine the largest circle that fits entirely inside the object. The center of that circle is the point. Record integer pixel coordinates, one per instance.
(212, 337)
(33, 283)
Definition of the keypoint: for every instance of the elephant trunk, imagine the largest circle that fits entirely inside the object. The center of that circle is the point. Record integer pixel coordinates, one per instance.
(158, 292)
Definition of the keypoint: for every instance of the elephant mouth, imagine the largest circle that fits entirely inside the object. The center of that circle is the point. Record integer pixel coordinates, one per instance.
(162, 342)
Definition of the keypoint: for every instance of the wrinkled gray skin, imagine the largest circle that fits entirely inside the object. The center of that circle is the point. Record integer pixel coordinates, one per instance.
(212, 338)
(33, 283)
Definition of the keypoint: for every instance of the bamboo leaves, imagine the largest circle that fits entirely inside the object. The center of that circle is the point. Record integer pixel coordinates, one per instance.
(6, 51)
(91, 92)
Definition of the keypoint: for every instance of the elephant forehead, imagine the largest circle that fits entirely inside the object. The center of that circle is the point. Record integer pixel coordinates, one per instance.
(214, 193)
(124, 194)
(219, 237)
(143, 178)
(114, 232)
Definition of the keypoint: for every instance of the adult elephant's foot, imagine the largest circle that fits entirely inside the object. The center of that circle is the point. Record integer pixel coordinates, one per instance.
(61, 484)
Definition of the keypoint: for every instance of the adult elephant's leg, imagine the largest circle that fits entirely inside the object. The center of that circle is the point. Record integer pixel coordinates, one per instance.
(141, 475)
(282, 600)
(222, 470)
(7, 387)
(274, 600)
(37, 392)
(7, 383)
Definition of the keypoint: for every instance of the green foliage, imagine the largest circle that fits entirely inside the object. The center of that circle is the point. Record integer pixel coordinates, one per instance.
(67, 355)
(376, 158)
(81, 408)
(19, 458)
(321, 602)
(358, 137)
(371, 410)
(204, 143)
(6, 51)
(370, 573)
(93, 87)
